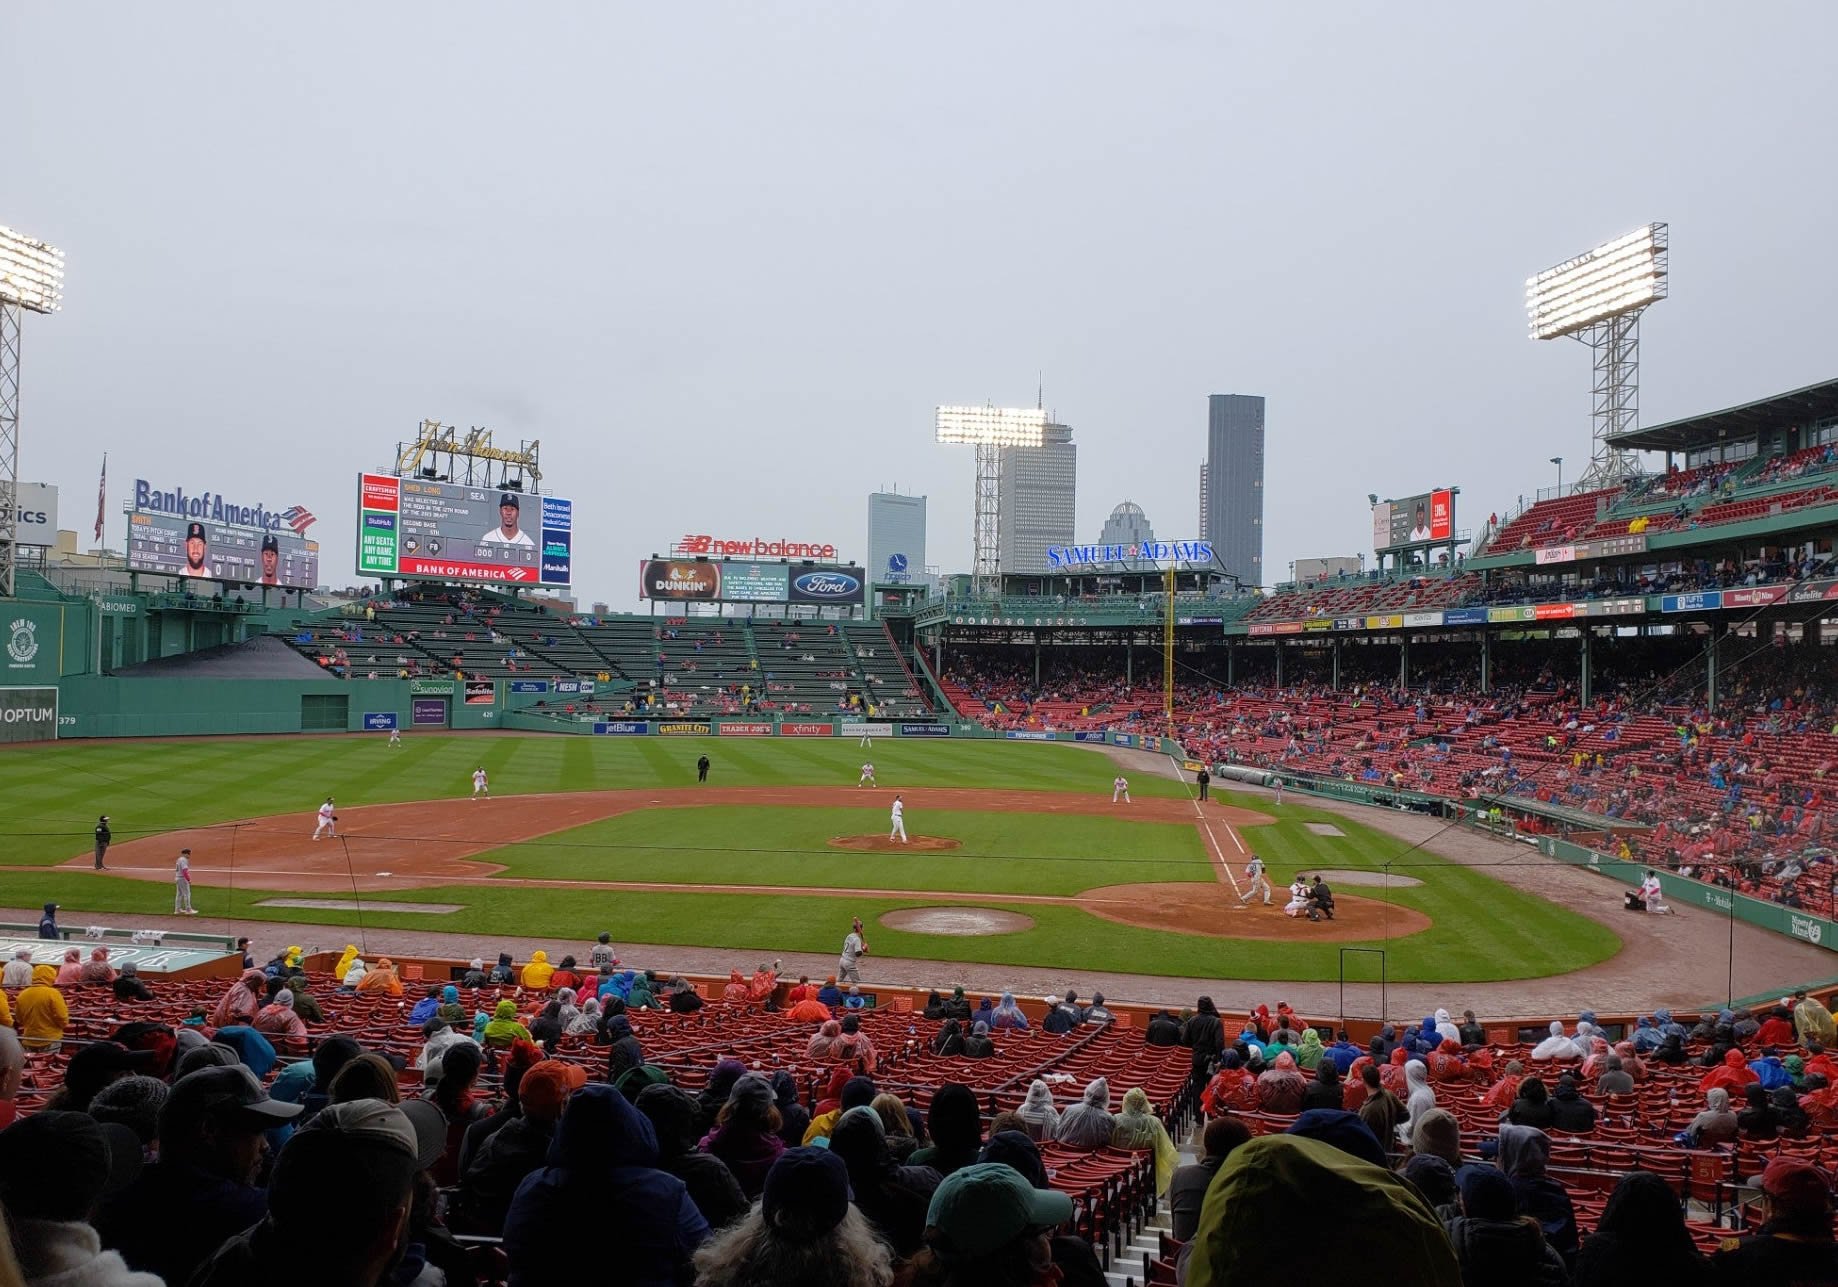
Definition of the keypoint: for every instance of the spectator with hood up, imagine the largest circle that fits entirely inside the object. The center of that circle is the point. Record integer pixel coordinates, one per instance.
(1641, 1237)
(891, 1196)
(55, 1169)
(1524, 1154)
(606, 1147)
(746, 1133)
(956, 1128)
(671, 1110)
(1496, 1245)
(1138, 1128)
(1087, 1124)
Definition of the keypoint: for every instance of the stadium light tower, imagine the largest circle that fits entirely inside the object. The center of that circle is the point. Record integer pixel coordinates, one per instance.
(31, 279)
(989, 429)
(1598, 298)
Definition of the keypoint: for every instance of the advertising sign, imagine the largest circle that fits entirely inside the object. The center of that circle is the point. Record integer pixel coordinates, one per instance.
(430, 687)
(828, 585)
(695, 543)
(1077, 556)
(1123, 739)
(28, 714)
(427, 710)
(1424, 519)
(574, 685)
(925, 730)
(737, 728)
(379, 721)
(529, 685)
(867, 730)
(685, 728)
(623, 728)
(481, 692)
(687, 580)
(214, 507)
(755, 582)
(1465, 617)
(806, 730)
(1027, 735)
(197, 547)
(1088, 735)
(35, 511)
(414, 527)
(34, 638)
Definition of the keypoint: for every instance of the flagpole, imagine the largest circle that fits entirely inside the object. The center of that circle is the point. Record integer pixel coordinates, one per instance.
(102, 501)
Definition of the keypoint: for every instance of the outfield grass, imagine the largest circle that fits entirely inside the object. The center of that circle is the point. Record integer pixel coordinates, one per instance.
(1010, 853)
(1483, 930)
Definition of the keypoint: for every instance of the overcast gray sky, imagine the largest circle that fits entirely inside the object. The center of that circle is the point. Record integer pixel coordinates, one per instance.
(724, 259)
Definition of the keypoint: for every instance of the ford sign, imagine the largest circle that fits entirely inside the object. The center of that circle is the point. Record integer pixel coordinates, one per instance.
(826, 585)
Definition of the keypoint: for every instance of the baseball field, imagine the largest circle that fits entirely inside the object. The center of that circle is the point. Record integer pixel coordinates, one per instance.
(1017, 855)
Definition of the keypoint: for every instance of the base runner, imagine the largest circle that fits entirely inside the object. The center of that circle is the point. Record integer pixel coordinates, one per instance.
(899, 821)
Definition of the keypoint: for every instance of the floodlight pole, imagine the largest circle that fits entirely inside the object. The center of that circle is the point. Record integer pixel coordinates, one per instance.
(1614, 344)
(9, 446)
(987, 539)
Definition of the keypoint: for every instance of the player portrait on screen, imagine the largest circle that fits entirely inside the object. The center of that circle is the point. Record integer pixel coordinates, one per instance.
(271, 560)
(1420, 523)
(196, 550)
(507, 532)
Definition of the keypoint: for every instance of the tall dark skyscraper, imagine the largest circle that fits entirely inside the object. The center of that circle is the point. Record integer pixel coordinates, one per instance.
(1232, 484)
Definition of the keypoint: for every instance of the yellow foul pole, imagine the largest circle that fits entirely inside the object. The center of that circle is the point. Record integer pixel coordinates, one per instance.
(1168, 656)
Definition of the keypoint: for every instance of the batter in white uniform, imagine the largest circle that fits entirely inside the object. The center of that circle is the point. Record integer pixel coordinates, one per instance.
(328, 821)
(899, 821)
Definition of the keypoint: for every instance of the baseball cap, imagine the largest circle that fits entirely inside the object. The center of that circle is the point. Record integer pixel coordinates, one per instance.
(547, 1085)
(269, 543)
(430, 1130)
(509, 498)
(232, 1089)
(983, 1206)
(1796, 1185)
(57, 1166)
(194, 530)
(806, 1193)
(100, 1062)
(374, 1120)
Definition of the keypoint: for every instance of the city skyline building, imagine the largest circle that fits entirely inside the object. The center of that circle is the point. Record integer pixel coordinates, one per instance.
(896, 537)
(1037, 499)
(1233, 484)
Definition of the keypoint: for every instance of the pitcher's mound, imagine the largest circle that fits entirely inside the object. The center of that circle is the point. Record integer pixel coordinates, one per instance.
(882, 845)
(957, 921)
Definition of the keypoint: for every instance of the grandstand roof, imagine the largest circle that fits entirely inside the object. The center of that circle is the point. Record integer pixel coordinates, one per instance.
(1814, 402)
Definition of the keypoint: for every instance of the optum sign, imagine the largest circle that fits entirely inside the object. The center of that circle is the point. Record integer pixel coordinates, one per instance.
(28, 714)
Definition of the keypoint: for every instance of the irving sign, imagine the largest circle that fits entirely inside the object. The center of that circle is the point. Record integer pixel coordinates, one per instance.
(1075, 556)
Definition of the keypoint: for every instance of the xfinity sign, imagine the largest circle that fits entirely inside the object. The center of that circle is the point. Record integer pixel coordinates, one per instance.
(1075, 556)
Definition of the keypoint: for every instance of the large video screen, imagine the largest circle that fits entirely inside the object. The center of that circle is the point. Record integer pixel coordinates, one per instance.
(1424, 519)
(728, 581)
(179, 546)
(414, 527)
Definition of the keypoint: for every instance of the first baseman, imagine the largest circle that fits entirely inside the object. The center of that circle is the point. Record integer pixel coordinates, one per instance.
(328, 821)
(1120, 789)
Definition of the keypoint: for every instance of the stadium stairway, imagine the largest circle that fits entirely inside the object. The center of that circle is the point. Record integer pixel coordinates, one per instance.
(1148, 1257)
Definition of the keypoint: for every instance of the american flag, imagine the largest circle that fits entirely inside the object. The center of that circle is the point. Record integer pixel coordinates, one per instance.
(299, 518)
(101, 498)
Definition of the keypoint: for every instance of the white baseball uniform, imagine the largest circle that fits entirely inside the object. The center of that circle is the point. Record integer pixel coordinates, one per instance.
(1120, 789)
(395, 737)
(867, 774)
(1653, 895)
(181, 887)
(1298, 899)
(480, 785)
(899, 823)
(1254, 872)
(867, 741)
(326, 827)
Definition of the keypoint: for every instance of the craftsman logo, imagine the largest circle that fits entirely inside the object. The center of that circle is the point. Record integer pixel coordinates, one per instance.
(826, 585)
(22, 642)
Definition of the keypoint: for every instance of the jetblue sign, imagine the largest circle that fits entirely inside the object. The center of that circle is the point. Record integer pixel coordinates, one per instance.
(1074, 556)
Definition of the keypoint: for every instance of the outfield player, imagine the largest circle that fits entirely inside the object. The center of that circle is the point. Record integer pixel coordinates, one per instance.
(395, 736)
(1254, 872)
(867, 777)
(1120, 787)
(181, 885)
(328, 821)
(867, 741)
(854, 947)
(899, 821)
(481, 785)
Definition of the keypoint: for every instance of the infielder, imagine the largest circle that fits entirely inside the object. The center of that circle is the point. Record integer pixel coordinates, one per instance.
(1254, 872)
(181, 885)
(1279, 791)
(854, 947)
(328, 821)
(899, 821)
(1120, 787)
(867, 777)
(481, 785)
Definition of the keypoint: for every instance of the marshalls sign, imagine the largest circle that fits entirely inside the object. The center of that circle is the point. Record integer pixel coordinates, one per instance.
(28, 714)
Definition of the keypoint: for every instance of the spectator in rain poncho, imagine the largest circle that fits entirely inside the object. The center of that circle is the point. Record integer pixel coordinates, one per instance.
(1007, 1014)
(344, 961)
(353, 975)
(1281, 1089)
(1421, 1098)
(1556, 1048)
(588, 1019)
(1137, 1128)
(281, 1025)
(566, 1012)
(641, 996)
(1446, 1029)
(822, 1044)
(1038, 1112)
(426, 1008)
(1813, 1021)
(504, 1028)
(1647, 1035)
(1088, 1124)
(1308, 1054)
(241, 1003)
